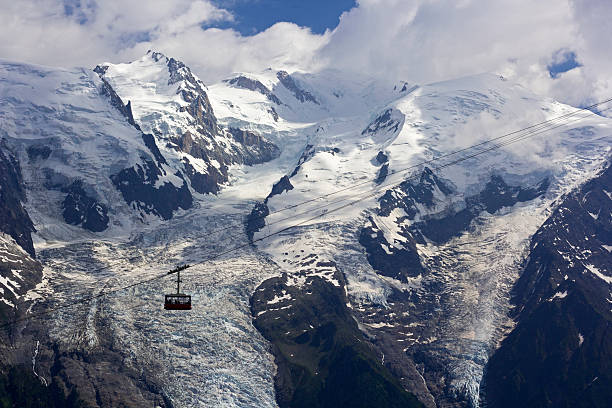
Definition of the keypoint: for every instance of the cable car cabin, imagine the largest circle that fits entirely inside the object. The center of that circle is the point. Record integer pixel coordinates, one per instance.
(177, 301)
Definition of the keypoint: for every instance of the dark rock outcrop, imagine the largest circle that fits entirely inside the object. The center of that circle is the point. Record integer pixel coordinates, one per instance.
(404, 86)
(138, 186)
(205, 139)
(256, 219)
(291, 84)
(204, 183)
(14, 219)
(382, 173)
(400, 260)
(36, 152)
(149, 141)
(382, 158)
(386, 121)
(81, 209)
(19, 272)
(390, 259)
(284, 184)
(274, 114)
(560, 352)
(126, 110)
(322, 357)
(309, 152)
(495, 195)
(255, 148)
(254, 85)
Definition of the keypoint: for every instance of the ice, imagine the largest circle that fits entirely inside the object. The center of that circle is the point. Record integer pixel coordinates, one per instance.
(213, 356)
(597, 272)
(277, 299)
(7, 302)
(209, 356)
(559, 295)
(9, 284)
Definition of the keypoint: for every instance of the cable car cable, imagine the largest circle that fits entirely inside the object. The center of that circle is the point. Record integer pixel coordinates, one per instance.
(395, 171)
(216, 256)
(376, 191)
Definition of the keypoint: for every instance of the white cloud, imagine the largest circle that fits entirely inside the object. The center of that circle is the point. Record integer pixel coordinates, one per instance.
(419, 40)
(431, 40)
(42, 31)
(215, 53)
(82, 32)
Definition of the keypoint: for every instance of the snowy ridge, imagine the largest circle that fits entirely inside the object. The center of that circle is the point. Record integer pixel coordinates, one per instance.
(317, 133)
(62, 114)
(171, 103)
(431, 121)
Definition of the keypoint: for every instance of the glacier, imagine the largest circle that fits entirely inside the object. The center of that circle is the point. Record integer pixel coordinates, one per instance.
(329, 130)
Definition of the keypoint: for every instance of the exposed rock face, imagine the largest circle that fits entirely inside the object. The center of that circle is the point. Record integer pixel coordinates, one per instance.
(273, 113)
(389, 121)
(284, 184)
(190, 132)
(400, 260)
(255, 149)
(36, 152)
(203, 118)
(382, 158)
(322, 357)
(382, 173)
(309, 151)
(254, 85)
(257, 217)
(290, 83)
(409, 194)
(108, 91)
(412, 216)
(14, 219)
(81, 209)
(387, 259)
(441, 222)
(138, 186)
(497, 194)
(404, 86)
(19, 272)
(560, 352)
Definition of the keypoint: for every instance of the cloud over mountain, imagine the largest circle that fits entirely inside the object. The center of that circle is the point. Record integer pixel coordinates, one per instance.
(420, 41)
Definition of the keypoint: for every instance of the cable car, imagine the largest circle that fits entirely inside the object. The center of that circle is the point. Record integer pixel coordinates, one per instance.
(178, 300)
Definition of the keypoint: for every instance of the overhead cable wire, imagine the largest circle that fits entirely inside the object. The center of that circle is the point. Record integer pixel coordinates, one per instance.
(518, 137)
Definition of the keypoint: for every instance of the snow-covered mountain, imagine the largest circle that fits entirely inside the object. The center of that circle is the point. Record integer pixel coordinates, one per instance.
(171, 103)
(444, 247)
(368, 252)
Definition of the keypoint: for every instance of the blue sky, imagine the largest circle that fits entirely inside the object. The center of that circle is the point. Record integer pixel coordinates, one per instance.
(563, 61)
(254, 16)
